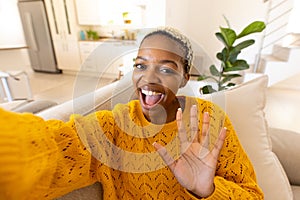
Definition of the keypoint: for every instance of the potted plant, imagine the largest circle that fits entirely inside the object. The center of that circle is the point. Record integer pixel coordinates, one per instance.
(92, 35)
(228, 56)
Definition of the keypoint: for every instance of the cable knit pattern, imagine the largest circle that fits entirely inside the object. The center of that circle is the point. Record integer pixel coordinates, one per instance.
(46, 159)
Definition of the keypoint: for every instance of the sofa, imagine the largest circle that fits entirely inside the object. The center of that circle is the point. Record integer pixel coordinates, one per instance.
(273, 152)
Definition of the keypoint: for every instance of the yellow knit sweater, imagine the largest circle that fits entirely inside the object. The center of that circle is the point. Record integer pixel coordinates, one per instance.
(46, 159)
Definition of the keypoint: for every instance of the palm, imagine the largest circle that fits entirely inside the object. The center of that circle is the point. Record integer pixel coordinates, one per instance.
(195, 169)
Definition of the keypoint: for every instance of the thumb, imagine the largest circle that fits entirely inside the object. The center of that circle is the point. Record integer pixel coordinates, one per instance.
(162, 151)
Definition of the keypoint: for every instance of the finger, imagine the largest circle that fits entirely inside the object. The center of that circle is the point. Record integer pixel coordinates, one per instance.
(205, 130)
(194, 124)
(181, 131)
(162, 151)
(219, 143)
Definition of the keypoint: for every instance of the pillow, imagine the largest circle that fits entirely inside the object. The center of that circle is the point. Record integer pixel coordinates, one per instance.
(244, 105)
(285, 144)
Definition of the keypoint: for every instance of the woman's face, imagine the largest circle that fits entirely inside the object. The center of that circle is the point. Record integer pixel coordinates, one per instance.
(157, 76)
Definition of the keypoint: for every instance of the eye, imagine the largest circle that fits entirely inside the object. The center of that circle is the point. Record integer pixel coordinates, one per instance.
(139, 66)
(167, 70)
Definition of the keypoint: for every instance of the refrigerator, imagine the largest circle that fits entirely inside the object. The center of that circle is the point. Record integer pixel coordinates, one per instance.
(37, 35)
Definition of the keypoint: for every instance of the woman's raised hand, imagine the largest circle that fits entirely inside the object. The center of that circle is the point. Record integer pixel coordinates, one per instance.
(195, 168)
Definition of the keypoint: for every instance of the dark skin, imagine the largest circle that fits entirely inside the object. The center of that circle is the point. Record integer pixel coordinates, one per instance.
(158, 74)
(161, 71)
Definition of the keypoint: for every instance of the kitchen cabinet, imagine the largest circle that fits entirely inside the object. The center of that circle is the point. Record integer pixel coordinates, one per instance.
(88, 12)
(106, 57)
(104, 12)
(88, 63)
(64, 32)
(97, 12)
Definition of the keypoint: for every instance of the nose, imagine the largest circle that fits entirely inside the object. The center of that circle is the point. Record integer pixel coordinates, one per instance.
(150, 75)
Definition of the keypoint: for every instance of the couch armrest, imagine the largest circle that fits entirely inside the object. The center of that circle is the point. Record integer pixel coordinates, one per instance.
(94, 191)
(285, 144)
(103, 98)
(32, 106)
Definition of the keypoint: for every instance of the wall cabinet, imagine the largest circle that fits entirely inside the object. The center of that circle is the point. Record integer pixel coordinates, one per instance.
(98, 12)
(64, 31)
(140, 13)
(88, 12)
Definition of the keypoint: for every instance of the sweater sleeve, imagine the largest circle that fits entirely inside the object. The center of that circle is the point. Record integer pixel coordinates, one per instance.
(41, 159)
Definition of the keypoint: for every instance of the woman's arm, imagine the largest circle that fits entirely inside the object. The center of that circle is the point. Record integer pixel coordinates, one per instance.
(41, 159)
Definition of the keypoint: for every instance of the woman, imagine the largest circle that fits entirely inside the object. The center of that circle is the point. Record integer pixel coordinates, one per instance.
(161, 146)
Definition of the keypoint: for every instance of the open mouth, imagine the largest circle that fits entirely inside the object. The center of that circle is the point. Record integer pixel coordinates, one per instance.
(150, 98)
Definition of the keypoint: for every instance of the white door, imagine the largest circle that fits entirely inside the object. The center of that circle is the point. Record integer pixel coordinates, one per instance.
(64, 30)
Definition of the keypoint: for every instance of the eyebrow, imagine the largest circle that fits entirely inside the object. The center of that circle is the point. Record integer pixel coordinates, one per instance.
(161, 61)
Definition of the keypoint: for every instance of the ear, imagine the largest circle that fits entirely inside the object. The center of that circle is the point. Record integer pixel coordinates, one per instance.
(184, 80)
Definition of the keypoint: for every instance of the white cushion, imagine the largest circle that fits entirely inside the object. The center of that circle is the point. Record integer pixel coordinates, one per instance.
(244, 105)
(103, 98)
(285, 144)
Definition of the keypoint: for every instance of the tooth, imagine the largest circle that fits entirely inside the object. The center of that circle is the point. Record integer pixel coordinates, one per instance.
(145, 92)
(150, 93)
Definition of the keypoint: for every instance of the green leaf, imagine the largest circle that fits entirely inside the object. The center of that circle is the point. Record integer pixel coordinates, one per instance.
(233, 54)
(204, 77)
(230, 84)
(238, 65)
(229, 77)
(222, 39)
(228, 64)
(235, 51)
(208, 89)
(257, 26)
(229, 36)
(214, 71)
(220, 56)
(201, 77)
(243, 45)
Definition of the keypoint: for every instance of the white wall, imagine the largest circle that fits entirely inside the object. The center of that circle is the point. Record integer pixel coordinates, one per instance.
(14, 60)
(198, 19)
(12, 38)
(11, 34)
(202, 19)
(293, 25)
(177, 14)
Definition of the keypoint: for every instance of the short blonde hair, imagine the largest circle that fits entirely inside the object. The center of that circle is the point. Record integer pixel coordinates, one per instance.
(178, 37)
